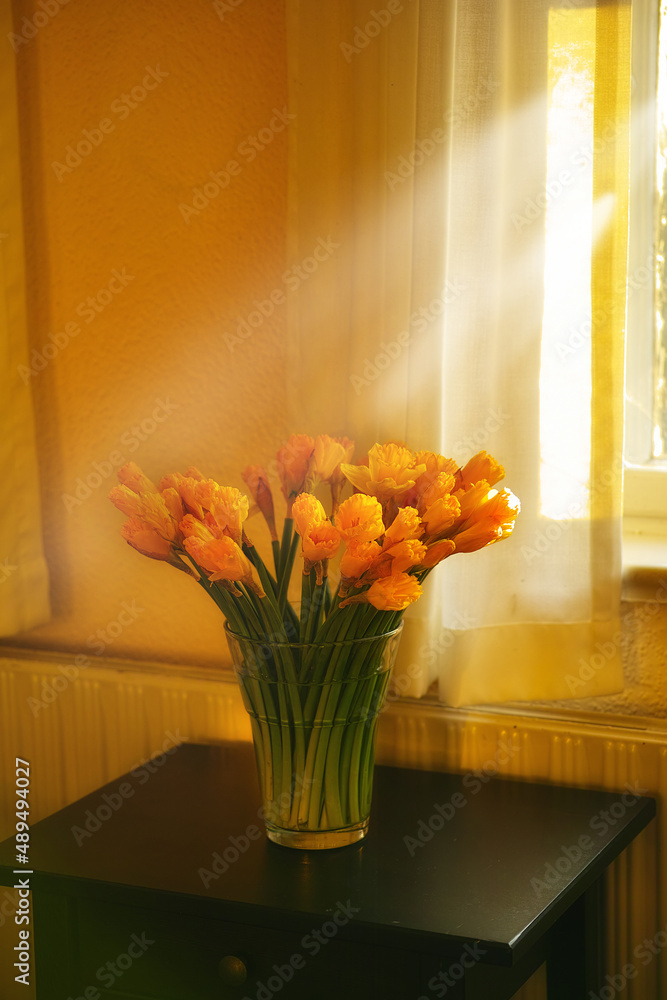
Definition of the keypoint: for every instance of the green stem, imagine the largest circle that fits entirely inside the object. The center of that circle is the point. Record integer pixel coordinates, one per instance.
(292, 729)
(315, 610)
(287, 571)
(252, 611)
(284, 549)
(267, 581)
(305, 606)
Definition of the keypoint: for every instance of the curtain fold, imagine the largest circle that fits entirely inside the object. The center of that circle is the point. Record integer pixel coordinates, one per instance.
(469, 161)
(24, 593)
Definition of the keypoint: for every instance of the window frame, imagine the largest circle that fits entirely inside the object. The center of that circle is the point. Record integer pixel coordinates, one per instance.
(645, 478)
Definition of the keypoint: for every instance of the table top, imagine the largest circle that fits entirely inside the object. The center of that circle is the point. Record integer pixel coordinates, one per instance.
(449, 859)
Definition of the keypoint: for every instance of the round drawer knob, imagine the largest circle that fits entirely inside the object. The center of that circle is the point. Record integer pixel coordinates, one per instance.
(232, 970)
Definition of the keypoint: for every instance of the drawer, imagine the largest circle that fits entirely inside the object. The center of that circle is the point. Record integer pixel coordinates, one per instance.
(131, 953)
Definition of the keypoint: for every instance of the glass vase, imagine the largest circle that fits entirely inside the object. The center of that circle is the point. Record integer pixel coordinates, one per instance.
(314, 710)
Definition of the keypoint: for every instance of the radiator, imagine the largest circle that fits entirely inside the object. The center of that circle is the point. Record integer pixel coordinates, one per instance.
(82, 729)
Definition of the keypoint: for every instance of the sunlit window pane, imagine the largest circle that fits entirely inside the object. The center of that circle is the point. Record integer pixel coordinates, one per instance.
(565, 374)
(660, 416)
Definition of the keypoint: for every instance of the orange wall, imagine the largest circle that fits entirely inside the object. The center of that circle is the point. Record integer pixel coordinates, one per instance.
(165, 332)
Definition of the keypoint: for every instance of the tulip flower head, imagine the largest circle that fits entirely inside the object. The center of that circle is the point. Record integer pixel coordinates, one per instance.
(406, 525)
(130, 475)
(391, 472)
(359, 518)
(293, 462)
(409, 511)
(319, 538)
(391, 593)
(257, 482)
(145, 540)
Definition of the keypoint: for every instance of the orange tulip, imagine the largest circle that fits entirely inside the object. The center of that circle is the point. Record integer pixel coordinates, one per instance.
(221, 559)
(471, 500)
(407, 524)
(185, 485)
(230, 509)
(149, 508)
(439, 489)
(392, 593)
(320, 542)
(307, 512)
(437, 552)
(358, 559)
(205, 491)
(173, 503)
(319, 538)
(404, 555)
(327, 455)
(145, 540)
(257, 482)
(130, 475)
(441, 515)
(359, 518)
(126, 500)
(293, 460)
(337, 479)
(192, 472)
(391, 473)
(348, 447)
(192, 527)
(435, 465)
(481, 466)
(491, 522)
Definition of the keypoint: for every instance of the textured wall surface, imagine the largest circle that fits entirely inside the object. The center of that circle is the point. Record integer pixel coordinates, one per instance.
(643, 646)
(166, 92)
(124, 200)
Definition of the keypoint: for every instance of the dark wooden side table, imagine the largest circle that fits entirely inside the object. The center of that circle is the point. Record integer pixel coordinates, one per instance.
(163, 887)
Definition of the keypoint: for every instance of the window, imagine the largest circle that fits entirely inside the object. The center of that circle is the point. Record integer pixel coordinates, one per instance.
(645, 485)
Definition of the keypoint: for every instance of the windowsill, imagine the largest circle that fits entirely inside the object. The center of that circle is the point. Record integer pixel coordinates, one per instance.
(644, 560)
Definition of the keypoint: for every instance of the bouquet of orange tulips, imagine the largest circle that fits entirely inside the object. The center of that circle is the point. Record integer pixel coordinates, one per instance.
(305, 671)
(408, 512)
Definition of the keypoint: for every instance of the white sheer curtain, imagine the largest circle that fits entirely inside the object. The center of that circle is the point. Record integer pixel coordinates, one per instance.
(24, 597)
(467, 164)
